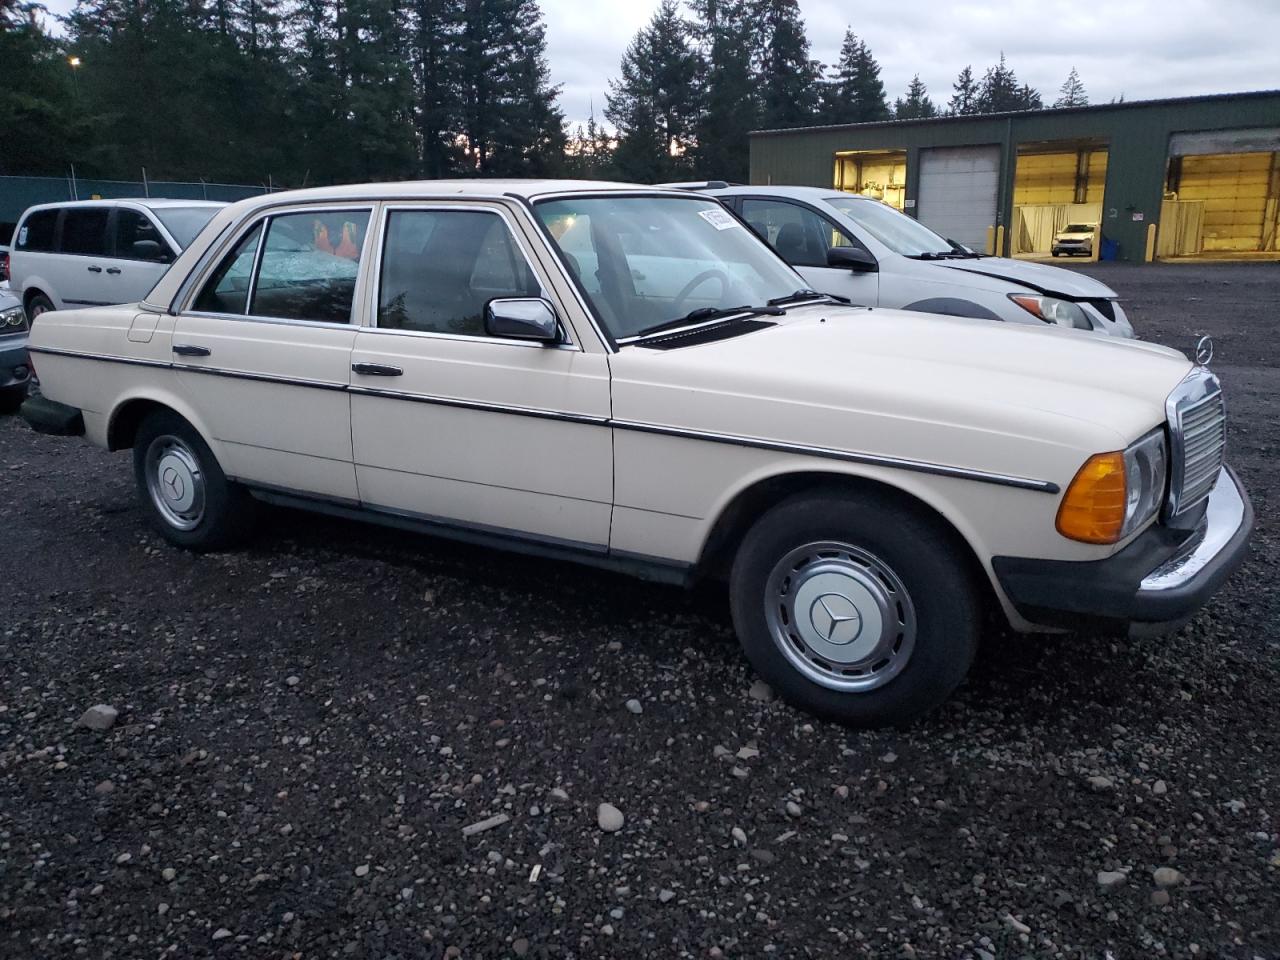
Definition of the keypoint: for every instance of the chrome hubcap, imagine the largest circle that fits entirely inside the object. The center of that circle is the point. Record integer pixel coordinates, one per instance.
(841, 616)
(175, 482)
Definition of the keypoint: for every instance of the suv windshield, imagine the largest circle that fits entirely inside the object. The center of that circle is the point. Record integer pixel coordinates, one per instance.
(897, 231)
(648, 261)
(184, 223)
(1078, 228)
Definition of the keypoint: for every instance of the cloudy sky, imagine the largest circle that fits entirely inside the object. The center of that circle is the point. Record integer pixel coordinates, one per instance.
(1141, 48)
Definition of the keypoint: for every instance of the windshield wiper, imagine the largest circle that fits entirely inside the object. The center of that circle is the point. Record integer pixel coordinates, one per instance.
(709, 313)
(933, 255)
(804, 293)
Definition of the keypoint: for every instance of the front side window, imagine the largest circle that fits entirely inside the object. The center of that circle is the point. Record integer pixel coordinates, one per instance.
(310, 262)
(227, 291)
(138, 239)
(37, 231)
(440, 268)
(84, 231)
(800, 236)
(643, 261)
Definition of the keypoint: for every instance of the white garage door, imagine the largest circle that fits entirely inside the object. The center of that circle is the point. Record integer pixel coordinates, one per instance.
(958, 188)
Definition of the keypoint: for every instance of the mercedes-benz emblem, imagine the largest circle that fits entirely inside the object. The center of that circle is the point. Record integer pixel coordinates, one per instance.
(173, 482)
(1204, 351)
(835, 619)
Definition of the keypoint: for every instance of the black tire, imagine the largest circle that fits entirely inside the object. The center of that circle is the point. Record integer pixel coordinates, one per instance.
(166, 444)
(941, 593)
(38, 304)
(1055, 253)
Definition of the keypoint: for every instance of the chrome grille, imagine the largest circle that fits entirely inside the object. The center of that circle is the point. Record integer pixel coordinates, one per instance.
(1198, 425)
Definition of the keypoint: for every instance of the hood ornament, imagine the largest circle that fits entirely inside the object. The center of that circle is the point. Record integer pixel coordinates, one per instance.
(1204, 351)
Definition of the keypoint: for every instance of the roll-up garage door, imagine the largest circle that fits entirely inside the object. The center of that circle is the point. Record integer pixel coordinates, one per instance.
(958, 190)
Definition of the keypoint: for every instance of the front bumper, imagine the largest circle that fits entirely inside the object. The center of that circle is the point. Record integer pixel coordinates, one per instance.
(1157, 582)
(15, 368)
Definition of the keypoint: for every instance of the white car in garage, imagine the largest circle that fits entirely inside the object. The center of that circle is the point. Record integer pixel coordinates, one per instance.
(89, 253)
(859, 248)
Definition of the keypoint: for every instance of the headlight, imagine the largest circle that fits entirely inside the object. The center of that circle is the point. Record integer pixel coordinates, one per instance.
(1063, 313)
(14, 318)
(1115, 493)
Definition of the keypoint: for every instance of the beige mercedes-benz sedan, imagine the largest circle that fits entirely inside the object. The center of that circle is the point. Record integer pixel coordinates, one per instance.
(629, 377)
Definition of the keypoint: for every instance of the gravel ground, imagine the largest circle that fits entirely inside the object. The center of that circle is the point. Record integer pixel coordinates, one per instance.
(307, 728)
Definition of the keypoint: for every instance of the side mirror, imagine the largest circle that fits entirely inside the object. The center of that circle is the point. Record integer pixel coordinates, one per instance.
(146, 250)
(522, 318)
(852, 258)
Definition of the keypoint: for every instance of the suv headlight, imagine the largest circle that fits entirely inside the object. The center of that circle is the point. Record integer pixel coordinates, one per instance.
(1115, 493)
(1062, 313)
(12, 320)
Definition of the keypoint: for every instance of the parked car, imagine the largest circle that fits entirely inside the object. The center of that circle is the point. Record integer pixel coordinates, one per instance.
(15, 371)
(97, 252)
(630, 378)
(856, 247)
(1074, 238)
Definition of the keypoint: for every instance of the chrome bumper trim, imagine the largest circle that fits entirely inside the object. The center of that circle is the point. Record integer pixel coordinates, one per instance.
(1224, 515)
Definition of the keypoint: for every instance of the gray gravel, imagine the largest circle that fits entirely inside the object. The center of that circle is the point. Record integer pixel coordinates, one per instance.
(306, 727)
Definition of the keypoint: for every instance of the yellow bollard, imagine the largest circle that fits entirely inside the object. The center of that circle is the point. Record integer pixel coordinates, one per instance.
(1000, 241)
(991, 241)
(1095, 246)
(1151, 243)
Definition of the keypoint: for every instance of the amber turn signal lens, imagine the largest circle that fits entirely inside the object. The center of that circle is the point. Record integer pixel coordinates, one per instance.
(1093, 508)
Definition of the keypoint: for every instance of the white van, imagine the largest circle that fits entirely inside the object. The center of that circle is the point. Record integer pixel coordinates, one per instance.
(98, 252)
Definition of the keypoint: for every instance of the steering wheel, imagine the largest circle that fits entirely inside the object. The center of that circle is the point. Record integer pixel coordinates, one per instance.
(694, 284)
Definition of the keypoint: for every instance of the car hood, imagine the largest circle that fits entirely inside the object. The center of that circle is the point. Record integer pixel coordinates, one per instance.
(893, 382)
(1035, 276)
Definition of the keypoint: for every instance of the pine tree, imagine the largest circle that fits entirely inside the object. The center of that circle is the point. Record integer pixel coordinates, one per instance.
(964, 99)
(727, 38)
(654, 104)
(1000, 91)
(789, 77)
(1072, 93)
(917, 104)
(854, 93)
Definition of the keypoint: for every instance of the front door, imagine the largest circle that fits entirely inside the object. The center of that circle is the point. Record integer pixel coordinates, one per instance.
(141, 256)
(450, 425)
(264, 350)
(802, 237)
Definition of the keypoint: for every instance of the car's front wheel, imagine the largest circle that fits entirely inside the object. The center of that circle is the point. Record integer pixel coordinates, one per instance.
(188, 498)
(858, 609)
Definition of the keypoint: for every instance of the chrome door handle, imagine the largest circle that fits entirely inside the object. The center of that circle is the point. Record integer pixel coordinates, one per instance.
(377, 370)
(190, 350)
(95, 269)
(113, 269)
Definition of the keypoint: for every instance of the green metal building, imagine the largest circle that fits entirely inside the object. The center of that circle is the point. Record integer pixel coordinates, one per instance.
(1204, 172)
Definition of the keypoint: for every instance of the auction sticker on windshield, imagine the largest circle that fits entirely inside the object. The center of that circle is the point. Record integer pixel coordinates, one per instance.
(720, 219)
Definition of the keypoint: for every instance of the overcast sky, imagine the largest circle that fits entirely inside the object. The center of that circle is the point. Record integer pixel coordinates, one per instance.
(1141, 48)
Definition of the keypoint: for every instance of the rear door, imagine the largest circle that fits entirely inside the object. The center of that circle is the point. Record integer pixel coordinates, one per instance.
(451, 425)
(802, 237)
(140, 256)
(264, 348)
(78, 272)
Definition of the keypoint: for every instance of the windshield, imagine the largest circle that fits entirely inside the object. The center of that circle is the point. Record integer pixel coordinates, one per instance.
(1078, 228)
(185, 223)
(646, 261)
(897, 231)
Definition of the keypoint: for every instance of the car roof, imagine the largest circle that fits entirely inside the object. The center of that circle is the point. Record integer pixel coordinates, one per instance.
(786, 192)
(153, 203)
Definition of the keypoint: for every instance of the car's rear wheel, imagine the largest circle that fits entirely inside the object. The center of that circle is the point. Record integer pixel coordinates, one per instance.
(38, 304)
(187, 497)
(860, 610)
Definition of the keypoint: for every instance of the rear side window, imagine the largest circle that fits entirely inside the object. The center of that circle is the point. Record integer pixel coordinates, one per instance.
(228, 289)
(310, 262)
(84, 231)
(138, 239)
(36, 232)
